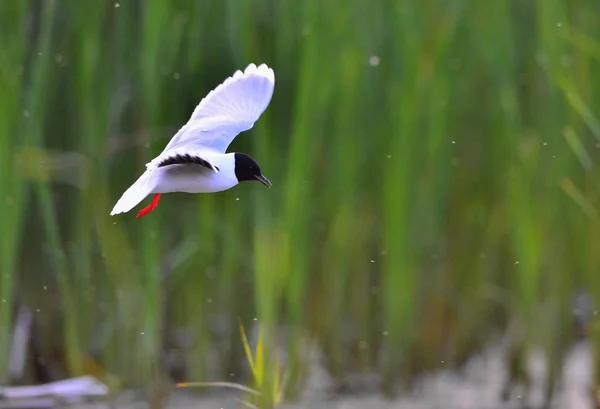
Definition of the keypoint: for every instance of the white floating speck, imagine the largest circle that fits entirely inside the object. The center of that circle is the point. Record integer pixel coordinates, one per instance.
(374, 61)
(117, 5)
(176, 75)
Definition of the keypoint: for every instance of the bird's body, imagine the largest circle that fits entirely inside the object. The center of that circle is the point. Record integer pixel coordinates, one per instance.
(189, 177)
(194, 161)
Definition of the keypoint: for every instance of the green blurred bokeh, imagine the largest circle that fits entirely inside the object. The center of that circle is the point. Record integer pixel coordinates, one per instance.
(433, 165)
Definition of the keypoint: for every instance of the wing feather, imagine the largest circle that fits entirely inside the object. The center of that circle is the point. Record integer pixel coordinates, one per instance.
(232, 107)
(186, 159)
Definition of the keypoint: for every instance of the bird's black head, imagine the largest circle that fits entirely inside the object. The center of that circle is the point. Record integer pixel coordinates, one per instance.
(246, 168)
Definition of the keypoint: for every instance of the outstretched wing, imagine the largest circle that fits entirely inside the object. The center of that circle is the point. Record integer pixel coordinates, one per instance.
(232, 107)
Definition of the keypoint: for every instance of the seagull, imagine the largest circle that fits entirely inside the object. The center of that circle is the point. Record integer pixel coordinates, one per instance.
(194, 160)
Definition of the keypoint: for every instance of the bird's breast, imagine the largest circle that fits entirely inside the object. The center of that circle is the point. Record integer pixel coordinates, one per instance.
(192, 179)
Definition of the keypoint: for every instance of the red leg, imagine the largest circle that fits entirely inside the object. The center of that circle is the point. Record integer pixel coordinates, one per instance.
(150, 207)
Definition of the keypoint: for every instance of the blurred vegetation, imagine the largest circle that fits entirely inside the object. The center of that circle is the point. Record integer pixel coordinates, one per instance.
(434, 171)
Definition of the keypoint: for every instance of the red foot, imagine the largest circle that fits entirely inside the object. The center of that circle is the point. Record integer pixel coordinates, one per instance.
(150, 207)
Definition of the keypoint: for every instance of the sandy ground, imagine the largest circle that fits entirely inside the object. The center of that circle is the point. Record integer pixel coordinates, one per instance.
(476, 387)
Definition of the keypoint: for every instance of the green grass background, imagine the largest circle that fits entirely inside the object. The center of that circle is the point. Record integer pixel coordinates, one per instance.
(433, 163)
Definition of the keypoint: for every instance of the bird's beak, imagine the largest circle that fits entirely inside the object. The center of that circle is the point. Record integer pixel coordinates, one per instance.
(263, 180)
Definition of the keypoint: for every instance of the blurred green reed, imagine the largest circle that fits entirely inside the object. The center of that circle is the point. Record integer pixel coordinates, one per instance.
(433, 167)
(11, 186)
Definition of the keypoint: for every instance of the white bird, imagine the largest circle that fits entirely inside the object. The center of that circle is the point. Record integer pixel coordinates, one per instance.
(194, 161)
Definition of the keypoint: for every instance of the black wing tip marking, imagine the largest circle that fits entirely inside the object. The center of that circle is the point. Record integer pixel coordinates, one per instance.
(186, 159)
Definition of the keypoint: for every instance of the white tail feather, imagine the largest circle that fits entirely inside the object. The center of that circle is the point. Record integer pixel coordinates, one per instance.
(135, 194)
